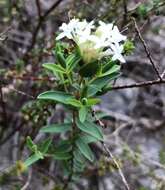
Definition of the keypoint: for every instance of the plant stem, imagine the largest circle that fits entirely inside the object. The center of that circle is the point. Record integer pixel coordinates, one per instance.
(69, 78)
(65, 187)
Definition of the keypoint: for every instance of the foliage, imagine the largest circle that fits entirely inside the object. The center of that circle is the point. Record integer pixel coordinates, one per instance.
(81, 81)
(60, 126)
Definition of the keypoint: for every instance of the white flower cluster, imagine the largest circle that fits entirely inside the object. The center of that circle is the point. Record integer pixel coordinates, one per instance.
(94, 42)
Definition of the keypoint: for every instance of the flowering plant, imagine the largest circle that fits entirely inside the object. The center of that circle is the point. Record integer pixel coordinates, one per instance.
(92, 41)
(85, 65)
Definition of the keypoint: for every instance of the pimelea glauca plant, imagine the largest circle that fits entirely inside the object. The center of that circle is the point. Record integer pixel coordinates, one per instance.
(85, 65)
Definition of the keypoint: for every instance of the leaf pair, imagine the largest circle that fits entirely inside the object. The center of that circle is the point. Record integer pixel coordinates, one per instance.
(38, 151)
(109, 72)
(57, 96)
(63, 66)
(92, 134)
(62, 151)
(91, 129)
(56, 128)
(68, 99)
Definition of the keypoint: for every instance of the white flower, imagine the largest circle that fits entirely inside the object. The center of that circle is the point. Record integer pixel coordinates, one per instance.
(116, 35)
(93, 40)
(103, 29)
(68, 29)
(84, 34)
(116, 52)
(76, 30)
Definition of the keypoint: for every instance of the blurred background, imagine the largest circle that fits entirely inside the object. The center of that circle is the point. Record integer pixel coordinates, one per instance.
(134, 114)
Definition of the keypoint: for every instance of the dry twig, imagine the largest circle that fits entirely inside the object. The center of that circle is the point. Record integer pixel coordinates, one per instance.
(40, 22)
(117, 165)
(4, 34)
(163, 74)
(139, 84)
(146, 49)
(109, 153)
(38, 8)
(28, 180)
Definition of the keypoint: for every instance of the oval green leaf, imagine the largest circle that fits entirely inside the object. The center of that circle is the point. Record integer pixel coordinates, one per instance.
(32, 159)
(57, 96)
(91, 129)
(54, 67)
(83, 111)
(56, 128)
(85, 149)
(62, 156)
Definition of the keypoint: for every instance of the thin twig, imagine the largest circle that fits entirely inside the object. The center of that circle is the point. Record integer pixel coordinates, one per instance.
(154, 8)
(163, 74)
(22, 93)
(49, 174)
(146, 49)
(119, 129)
(117, 116)
(117, 165)
(40, 22)
(14, 130)
(32, 78)
(133, 85)
(38, 8)
(111, 155)
(4, 34)
(125, 16)
(28, 180)
(137, 85)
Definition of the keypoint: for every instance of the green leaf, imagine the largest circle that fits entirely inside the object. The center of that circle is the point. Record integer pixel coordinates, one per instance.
(70, 59)
(97, 84)
(93, 101)
(88, 138)
(78, 167)
(62, 156)
(91, 129)
(58, 47)
(83, 111)
(61, 59)
(74, 102)
(85, 149)
(44, 146)
(67, 169)
(114, 69)
(128, 47)
(72, 62)
(109, 64)
(89, 69)
(56, 128)
(32, 159)
(63, 147)
(78, 156)
(54, 67)
(30, 144)
(93, 89)
(57, 96)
